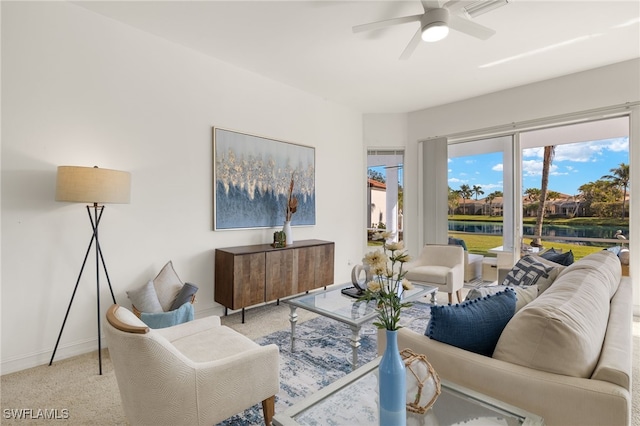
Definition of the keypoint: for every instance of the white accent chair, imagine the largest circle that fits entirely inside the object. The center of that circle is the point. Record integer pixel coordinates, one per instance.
(195, 373)
(441, 266)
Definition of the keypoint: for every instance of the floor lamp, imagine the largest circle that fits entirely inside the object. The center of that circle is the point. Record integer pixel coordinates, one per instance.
(98, 187)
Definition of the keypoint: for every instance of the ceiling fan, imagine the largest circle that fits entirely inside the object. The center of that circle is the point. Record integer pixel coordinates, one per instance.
(436, 21)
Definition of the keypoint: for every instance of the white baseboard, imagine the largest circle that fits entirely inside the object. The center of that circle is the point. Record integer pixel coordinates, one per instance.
(82, 347)
(43, 357)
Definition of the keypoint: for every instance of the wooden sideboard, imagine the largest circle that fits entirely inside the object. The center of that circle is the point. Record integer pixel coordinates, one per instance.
(249, 275)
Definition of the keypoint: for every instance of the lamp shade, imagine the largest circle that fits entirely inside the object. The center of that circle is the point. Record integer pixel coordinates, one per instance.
(92, 185)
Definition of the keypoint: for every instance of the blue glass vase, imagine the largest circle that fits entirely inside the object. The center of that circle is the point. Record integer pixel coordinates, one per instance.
(392, 384)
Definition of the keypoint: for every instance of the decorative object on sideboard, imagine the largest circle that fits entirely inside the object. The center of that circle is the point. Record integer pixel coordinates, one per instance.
(291, 206)
(97, 187)
(279, 239)
(423, 383)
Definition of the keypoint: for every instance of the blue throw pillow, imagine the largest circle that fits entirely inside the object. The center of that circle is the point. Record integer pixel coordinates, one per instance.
(474, 325)
(459, 242)
(565, 259)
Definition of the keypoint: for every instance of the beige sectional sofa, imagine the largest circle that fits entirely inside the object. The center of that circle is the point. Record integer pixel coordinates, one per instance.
(565, 356)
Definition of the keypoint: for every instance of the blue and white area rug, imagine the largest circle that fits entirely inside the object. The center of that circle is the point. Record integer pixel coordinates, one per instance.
(322, 355)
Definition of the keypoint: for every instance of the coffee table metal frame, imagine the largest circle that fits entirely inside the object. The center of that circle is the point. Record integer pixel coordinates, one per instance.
(331, 303)
(324, 395)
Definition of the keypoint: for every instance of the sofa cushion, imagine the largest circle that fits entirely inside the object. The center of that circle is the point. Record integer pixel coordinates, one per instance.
(524, 295)
(562, 330)
(529, 271)
(474, 325)
(429, 274)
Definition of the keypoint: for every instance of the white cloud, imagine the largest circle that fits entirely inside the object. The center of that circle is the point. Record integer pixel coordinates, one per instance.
(581, 152)
(497, 167)
(534, 168)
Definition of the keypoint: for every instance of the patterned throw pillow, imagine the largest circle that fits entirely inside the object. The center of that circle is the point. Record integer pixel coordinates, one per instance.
(528, 271)
(524, 295)
(474, 325)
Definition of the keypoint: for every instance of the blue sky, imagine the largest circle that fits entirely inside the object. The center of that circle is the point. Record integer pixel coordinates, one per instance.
(573, 165)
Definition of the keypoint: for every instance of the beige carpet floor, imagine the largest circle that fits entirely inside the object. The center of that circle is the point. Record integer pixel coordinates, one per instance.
(74, 384)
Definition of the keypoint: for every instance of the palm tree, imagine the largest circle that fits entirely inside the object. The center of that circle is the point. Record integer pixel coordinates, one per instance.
(494, 195)
(453, 202)
(549, 152)
(477, 190)
(533, 194)
(489, 200)
(465, 193)
(620, 179)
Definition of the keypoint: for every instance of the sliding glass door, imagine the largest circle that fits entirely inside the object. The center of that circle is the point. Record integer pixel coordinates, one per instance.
(481, 192)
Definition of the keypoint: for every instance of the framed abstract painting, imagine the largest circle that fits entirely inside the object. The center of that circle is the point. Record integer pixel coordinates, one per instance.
(251, 180)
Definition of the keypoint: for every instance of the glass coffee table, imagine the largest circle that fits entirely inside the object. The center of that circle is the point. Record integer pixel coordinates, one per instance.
(331, 303)
(353, 400)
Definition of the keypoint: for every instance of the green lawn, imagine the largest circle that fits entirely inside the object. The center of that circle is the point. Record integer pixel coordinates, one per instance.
(480, 244)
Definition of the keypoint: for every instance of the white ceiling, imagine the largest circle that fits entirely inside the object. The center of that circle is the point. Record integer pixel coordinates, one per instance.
(310, 45)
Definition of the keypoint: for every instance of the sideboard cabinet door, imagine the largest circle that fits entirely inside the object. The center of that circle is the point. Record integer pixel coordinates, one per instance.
(240, 279)
(280, 276)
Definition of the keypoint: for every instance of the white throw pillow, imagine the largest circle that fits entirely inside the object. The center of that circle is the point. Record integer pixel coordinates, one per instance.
(145, 298)
(167, 285)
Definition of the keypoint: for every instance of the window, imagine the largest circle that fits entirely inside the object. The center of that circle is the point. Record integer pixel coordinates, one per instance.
(385, 193)
(586, 180)
(480, 192)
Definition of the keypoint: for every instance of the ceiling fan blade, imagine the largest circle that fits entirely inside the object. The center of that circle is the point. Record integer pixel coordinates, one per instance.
(430, 4)
(415, 41)
(386, 23)
(454, 6)
(471, 28)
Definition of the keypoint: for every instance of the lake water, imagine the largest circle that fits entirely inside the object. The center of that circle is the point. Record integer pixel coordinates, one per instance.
(494, 228)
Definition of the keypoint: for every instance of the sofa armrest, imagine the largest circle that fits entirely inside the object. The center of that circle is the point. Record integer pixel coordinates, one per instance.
(615, 363)
(560, 400)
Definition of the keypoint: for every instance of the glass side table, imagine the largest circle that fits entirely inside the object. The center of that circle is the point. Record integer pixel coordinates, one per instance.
(353, 400)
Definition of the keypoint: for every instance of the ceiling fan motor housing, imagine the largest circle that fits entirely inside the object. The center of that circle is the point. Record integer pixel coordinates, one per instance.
(435, 16)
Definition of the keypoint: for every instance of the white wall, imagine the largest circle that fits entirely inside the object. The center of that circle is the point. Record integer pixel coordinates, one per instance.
(81, 89)
(593, 89)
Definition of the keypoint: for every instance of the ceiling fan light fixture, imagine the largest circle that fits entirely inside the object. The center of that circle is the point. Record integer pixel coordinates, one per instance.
(435, 24)
(435, 31)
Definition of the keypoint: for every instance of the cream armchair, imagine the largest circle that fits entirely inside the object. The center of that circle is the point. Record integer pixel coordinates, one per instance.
(441, 266)
(195, 373)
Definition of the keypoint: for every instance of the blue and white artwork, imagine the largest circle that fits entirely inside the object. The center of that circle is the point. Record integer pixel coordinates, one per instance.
(252, 175)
